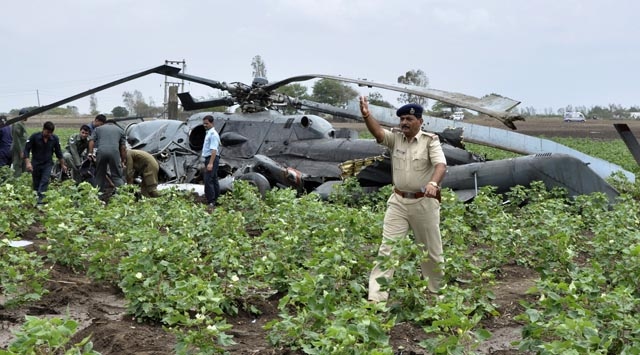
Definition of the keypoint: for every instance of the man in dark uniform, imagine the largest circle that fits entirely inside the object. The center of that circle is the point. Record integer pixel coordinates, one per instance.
(98, 121)
(5, 145)
(111, 154)
(19, 137)
(419, 165)
(77, 144)
(42, 145)
(141, 163)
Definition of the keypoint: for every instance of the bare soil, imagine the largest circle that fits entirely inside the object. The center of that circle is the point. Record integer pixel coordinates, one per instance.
(546, 127)
(100, 309)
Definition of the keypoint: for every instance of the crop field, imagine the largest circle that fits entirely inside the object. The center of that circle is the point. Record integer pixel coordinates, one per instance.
(287, 274)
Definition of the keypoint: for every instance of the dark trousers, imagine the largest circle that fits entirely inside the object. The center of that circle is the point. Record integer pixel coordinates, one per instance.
(211, 185)
(40, 178)
(5, 157)
(108, 161)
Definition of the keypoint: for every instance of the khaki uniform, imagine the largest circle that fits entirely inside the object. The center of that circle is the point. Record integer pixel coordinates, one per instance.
(144, 164)
(413, 166)
(74, 149)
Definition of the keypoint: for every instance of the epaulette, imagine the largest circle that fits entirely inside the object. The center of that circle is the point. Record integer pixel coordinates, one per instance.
(430, 135)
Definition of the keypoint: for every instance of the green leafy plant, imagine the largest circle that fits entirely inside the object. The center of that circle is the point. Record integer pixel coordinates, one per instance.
(48, 336)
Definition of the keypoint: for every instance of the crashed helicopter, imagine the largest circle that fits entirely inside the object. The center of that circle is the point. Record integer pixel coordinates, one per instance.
(305, 152)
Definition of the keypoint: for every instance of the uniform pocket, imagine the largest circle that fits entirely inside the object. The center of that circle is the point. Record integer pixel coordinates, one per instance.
(399, 160)
(421, 161)
(420, 164)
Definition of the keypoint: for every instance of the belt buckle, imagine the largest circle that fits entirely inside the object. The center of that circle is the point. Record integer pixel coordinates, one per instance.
(410, 195)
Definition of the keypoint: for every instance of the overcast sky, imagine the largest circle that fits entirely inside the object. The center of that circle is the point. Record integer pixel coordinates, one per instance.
(545, 53)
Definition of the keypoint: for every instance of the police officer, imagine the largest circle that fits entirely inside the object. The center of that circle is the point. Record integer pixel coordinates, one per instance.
(419, 165)
(77, 144)
(141, 163)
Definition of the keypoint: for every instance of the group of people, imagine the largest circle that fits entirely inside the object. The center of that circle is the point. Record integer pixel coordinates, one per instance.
(418, 164)
(114, 163)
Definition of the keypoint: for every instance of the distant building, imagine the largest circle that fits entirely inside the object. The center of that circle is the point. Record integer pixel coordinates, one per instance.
(634, 115)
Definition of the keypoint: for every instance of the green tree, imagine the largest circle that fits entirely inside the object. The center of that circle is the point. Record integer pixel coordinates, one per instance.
(93, 105)
(295, 90)
(120, 111)
(259, 68)
(415, 78)
(65, 111)
(136, 104)
(16, 111)
(375, 98)
(333, 92)
(441, 109)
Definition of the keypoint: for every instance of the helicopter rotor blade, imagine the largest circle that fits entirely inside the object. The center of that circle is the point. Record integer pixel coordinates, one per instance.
(493, 105)
(384, 115)
(293, 79)
(162, 69)
(189, 104)
(199, 80)
(326, 108)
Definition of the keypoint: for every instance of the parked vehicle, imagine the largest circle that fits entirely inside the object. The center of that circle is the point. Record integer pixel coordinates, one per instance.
(574, 117)
(457, 116)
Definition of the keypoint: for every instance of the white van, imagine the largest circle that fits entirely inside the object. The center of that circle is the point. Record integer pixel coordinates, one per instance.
(457, 116)
(574, 117)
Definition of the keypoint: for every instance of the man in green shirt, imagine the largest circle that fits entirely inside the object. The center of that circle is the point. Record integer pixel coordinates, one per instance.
(19, 140)
(77, 144)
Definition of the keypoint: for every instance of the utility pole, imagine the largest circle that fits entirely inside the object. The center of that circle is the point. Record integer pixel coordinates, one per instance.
(170, 91)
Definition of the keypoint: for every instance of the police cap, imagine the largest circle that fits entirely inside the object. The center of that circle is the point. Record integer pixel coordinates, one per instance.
(410, 109)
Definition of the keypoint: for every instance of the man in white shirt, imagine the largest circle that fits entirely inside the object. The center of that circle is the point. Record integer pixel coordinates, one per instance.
(211, 157)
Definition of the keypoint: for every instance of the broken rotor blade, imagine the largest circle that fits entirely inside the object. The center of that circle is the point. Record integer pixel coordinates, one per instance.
(629, 140)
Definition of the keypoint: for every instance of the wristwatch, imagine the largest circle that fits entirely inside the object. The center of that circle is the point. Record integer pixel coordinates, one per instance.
(435, 184)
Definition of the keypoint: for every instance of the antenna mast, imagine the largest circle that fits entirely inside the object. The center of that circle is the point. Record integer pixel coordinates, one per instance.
(170, 91)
